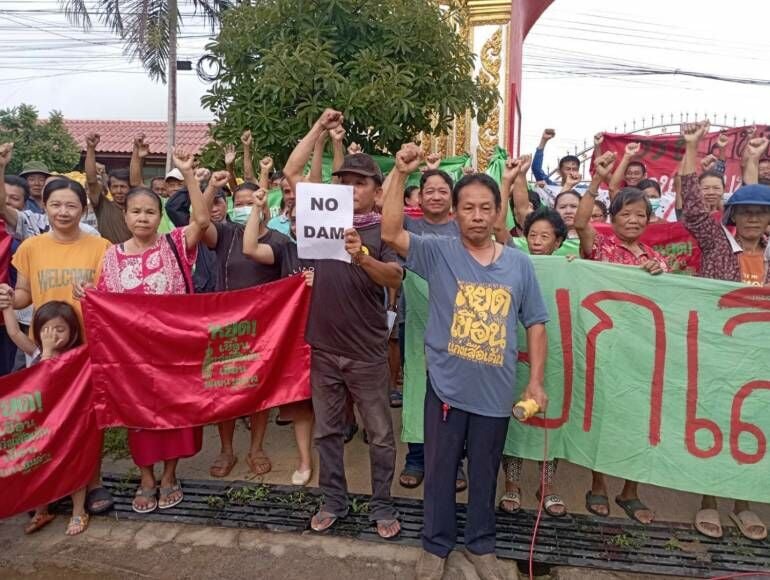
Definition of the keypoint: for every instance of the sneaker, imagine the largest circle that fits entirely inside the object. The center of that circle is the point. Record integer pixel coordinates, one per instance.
(429, 567)
(486, 565)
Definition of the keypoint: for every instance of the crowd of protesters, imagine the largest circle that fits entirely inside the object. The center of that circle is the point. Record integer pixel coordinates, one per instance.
(177, 236)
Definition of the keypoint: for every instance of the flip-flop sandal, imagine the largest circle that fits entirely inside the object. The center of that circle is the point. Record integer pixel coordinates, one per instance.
(223, 465)
(549, 502)
(711, 517)
(38, 522)
(594, 500)
(382, 524)
(510, 497)
(77, 525)
(631, 506)
(259, 464)
(147, 492)
(417, 475)
(461, 483)
(165, 492)
(321, 516)
(97, 495)
(748, 519)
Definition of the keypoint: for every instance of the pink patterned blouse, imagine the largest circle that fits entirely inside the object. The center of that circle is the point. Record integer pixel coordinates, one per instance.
(156, 271)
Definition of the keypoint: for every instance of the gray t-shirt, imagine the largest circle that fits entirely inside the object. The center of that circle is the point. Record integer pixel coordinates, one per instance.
(420, 227)
(474, 310)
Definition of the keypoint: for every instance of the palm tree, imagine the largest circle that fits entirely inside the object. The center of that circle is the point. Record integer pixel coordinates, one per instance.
(149, 32)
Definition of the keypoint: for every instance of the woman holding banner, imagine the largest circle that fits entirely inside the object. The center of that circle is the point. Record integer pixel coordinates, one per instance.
(48, 264)
(150, 263)
(545, 233)
(630, 213)
(742, 257)
(238, 269)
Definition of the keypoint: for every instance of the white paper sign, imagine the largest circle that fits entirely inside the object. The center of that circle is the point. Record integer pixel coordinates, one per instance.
(324, 212)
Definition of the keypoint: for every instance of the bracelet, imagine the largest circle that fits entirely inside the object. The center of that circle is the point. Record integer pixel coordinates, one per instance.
(357, 258)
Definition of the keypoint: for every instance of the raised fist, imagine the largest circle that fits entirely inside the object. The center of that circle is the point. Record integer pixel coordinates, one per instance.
(548, 134)
(354, 148)
(525, 161)
(433, 161)
(722, 140)
(633, 149)
(219, 179)
(338, 134)
(511, 169)
(142, 148)
(708, 162)
(756, 147)
(183, 159)
(202, 174)
(603, 165)
(571, 179)
(408, 158)
(260, 198)
(266, 164)
(92, 140)
(6, 152)
(246, 138)
(598, 139)
(330, 119)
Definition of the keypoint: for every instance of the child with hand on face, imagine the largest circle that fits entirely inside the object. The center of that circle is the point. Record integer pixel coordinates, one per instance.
(55, 330)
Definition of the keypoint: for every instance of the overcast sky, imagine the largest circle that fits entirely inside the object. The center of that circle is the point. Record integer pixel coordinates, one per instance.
(569, 57)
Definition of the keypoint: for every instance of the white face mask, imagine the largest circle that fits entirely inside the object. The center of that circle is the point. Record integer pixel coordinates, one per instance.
(240, 215)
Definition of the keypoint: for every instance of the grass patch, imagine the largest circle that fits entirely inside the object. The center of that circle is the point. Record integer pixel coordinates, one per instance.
(116, 443)
(247, 494)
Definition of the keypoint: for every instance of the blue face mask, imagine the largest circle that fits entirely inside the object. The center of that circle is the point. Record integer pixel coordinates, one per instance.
(655, 203)
(240, 215)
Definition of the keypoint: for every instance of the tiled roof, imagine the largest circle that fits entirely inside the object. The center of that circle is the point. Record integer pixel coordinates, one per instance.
(118, 136)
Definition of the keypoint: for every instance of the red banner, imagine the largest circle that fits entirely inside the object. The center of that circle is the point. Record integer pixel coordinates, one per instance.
(673, 241)
(161, 362)
(662, 154)
(49, 441)
(5, 253)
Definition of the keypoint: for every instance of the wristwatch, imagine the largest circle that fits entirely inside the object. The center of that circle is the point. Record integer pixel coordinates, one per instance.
(364, 251)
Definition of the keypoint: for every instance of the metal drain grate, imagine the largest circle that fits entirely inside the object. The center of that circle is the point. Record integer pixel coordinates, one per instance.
(603, 543)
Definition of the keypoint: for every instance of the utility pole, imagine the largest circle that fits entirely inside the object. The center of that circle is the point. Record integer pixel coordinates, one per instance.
(173, 18)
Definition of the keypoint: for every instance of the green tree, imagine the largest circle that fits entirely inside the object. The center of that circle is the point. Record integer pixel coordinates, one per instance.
(46, 141)
(395, 68)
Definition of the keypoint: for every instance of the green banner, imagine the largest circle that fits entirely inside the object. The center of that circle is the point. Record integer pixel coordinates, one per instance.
(658, 379)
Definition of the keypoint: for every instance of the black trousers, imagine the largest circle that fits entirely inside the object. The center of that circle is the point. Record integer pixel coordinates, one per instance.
(445, 438)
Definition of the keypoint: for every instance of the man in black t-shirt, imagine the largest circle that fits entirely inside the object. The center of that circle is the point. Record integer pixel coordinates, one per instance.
(348, 332)
(234, 271)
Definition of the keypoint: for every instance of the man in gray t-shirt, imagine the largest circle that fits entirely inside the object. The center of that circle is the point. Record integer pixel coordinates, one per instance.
(479, 292)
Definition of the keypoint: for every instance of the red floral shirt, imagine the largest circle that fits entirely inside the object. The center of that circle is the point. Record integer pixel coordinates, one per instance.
(608, 248)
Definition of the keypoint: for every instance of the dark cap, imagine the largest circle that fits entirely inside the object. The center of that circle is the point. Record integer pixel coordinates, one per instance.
(360, 164)
(34, 167)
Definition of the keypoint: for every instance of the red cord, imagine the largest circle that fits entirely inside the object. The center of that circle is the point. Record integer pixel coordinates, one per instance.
(540, 514)
(540, 507)
(741, 575)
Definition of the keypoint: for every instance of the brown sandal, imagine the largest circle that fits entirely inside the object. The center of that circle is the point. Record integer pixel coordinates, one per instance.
(223, 465)
(77, 525)
(259, 464)
(38, 522)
